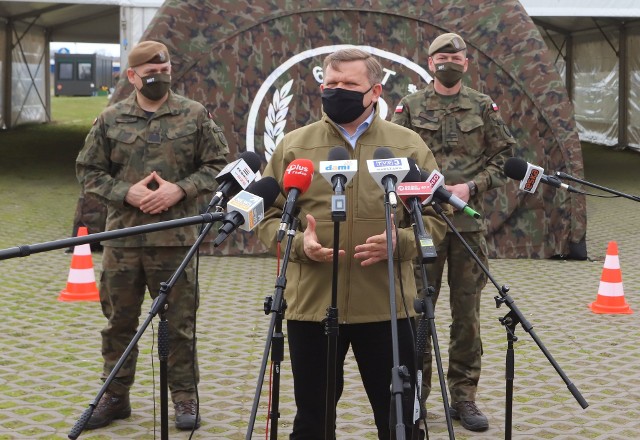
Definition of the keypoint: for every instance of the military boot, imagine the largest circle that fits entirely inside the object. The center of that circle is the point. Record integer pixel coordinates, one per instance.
(186, 418)
(110, 407)
(469, 415)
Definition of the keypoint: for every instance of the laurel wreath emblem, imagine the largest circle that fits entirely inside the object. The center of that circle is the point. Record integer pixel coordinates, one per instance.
(276, 119)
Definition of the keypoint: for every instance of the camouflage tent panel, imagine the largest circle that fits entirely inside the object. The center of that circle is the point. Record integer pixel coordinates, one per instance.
(255, 65)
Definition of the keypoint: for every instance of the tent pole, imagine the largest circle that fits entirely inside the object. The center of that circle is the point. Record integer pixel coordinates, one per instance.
(623, 89)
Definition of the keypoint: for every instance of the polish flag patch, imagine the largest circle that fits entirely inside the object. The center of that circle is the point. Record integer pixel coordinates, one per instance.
(399, 108)
(495, 107)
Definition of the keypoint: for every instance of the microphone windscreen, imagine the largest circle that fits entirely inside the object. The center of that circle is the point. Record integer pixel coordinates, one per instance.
(424, 175)
(267, 188)
(298, 175)
(338, 153)
(252, 160)
(382, 153)
(515, 168)
(414, 172)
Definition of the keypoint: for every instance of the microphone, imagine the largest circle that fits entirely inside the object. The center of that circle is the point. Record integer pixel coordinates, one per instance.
(297, 179)
(412, 193)
(530, 176)
(436, 180)
(338, 170)
(386, 170)
(235, 176)
(247, 208)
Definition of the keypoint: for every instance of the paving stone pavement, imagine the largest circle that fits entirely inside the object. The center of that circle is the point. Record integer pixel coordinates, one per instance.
(50, 350)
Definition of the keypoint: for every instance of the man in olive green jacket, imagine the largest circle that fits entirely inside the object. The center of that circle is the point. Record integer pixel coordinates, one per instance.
(350, 90)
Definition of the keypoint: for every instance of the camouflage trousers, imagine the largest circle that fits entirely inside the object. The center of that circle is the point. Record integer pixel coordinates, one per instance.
(126, 276)
(466, 281)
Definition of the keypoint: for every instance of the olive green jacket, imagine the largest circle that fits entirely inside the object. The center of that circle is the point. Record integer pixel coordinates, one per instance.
(363, 292)
(179, 141)
(467, 136)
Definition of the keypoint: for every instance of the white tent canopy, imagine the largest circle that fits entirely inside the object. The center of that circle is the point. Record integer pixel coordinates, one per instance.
(598, 54)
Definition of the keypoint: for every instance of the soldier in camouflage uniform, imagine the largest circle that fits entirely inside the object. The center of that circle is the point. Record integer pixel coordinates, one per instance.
(471, 143)
(149, 157)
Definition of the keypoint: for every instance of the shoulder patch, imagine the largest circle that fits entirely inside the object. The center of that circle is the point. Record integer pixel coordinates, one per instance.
(495, 107)
(399, 108)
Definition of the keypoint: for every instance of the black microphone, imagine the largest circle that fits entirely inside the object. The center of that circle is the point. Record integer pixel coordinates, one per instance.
(387, 170)
(531, 175)
(247, 208)
(338, 170)
(235, 176)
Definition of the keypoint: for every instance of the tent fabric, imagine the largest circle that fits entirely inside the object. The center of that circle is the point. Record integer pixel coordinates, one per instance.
(597, 83)
(27, 93)
(226, 54)
(582, 8)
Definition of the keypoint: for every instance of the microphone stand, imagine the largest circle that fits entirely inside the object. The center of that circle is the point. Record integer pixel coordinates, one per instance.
(157, 306)
(426, 325)
(510, 321)
(562, 175)
(400, 376)
(28, 249)
(331, 327)
(276, 305)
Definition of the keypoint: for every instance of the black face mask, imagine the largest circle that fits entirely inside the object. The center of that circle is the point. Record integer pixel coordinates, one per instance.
(449, 73)
(155, 86)
(343, 106)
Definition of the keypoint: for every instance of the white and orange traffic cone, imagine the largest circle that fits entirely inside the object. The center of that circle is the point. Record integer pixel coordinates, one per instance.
(81, 284)
(610, 297)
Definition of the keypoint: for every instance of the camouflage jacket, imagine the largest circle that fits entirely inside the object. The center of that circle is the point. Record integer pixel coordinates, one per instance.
(467, 136)
(363, 292)
(179, 141)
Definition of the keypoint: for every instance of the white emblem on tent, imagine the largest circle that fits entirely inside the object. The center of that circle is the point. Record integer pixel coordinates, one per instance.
(275, 120)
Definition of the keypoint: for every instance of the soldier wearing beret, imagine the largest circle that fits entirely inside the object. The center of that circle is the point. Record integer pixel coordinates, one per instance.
(471, 143)
(148, 158)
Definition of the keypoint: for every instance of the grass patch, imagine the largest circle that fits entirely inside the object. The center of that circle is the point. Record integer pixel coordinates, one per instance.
(77, 110)
(50, 149)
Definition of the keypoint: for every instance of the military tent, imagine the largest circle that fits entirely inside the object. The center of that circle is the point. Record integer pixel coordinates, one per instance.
(256, 65)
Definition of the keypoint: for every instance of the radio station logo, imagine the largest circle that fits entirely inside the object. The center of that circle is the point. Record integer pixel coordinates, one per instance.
(344, 166)
(531, 181)
(296, 169)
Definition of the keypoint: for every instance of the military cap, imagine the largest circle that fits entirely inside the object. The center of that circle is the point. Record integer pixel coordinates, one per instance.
(447, 43)
(148, 52)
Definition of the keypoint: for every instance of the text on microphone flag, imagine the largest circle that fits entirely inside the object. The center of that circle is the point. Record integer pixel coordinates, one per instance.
(382, 164)
(530, 183)
(250, 205)
(346, 165)
(298, 169)
(413, 189)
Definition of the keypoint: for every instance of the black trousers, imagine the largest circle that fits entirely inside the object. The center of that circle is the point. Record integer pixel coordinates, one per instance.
(372, 348)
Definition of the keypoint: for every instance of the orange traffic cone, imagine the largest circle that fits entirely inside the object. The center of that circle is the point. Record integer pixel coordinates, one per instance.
(610, 297)
(81, 284)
